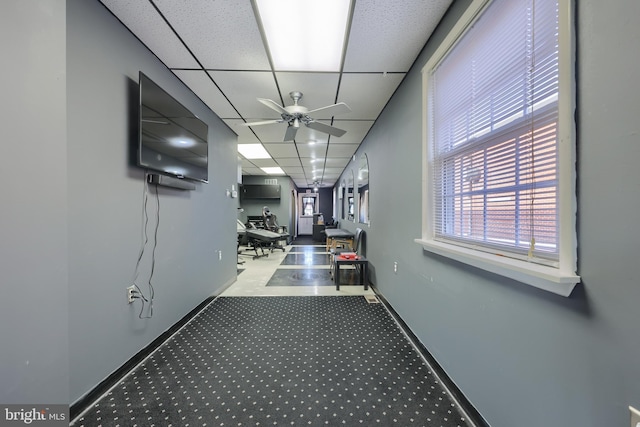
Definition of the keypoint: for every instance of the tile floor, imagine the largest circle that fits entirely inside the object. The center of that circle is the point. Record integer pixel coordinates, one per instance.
(256, 273)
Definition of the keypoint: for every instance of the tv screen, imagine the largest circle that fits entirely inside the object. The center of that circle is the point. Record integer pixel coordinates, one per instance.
(172, 139)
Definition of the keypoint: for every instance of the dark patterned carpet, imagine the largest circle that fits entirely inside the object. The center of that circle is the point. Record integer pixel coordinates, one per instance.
(282, 361)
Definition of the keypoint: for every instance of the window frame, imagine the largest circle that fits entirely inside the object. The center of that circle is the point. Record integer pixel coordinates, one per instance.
(561, 278)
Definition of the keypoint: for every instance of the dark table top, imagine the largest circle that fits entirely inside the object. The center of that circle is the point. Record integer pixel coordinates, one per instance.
(338, 232)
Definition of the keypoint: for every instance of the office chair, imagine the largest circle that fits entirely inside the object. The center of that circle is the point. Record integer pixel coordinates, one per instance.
(271, 223)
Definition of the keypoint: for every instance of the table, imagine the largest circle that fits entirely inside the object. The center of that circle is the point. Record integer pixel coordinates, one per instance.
(334, 234)
(356, 261)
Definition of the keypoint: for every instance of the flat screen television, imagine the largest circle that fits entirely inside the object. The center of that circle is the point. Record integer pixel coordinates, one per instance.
(172, 140)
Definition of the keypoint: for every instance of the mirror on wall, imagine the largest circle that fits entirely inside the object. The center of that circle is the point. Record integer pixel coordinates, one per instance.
(343, 199)
(350, 202)
(363, 190)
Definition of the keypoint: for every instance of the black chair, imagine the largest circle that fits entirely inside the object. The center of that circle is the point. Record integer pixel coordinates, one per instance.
(271, 223)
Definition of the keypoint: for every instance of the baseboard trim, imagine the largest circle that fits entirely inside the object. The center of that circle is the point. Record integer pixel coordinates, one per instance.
(475, 416)
(79, 406)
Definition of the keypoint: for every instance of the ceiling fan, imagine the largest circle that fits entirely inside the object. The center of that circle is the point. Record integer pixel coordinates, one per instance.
(295, 114)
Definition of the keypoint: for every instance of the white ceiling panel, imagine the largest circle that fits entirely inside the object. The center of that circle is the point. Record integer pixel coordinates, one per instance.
(356, 131)
(315, 151)
(318, 89)
(223, 35)
(201, 85)
(356, 91)
(264, 163)
(285, 149)
(337, 162)
(379, 27)
(293, 170)
(145, 22)
(341, 150)
(335, 171)
(245, 136)
(306, 134)
(311, 162)
(289, 161)
(270, 133)
(243, 87)
(252, 170)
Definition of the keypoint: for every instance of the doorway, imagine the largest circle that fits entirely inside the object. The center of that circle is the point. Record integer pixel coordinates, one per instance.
(308, 204)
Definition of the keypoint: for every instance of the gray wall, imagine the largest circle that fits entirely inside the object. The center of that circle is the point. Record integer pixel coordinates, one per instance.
(34, 350)
(525, 357)
(105, 198)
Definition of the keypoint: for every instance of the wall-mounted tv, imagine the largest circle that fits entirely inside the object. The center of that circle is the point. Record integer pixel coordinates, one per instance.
(172, 139)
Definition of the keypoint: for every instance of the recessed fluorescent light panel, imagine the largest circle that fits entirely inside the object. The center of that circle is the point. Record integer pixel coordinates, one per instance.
(253, 151)
(273, 171)
(304, 35)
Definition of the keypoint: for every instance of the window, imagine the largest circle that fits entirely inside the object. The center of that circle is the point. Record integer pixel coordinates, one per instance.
(499, 143)
(309, 205)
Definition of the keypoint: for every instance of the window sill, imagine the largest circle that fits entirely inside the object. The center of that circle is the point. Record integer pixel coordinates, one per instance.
(547, 278)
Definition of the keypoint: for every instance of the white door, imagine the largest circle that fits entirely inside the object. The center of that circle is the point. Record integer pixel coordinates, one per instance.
(308, 203)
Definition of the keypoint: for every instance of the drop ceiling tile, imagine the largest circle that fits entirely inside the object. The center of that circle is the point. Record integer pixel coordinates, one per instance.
(271, 133)
(356, 131)
(314, 151)
(318, 89)
(275, 133)
(245, 136)
(306, 135)
(203, 87)
(286, 149)
(337, 162)
(252, 171)
(309, 161)
(341, 150)
(243, 87)
(366, 103)
(145, 22)
(264, 163)
(334, 171)
(379, 27)
(221, 34)
(298, 176)
(289, 161)
(289, 170)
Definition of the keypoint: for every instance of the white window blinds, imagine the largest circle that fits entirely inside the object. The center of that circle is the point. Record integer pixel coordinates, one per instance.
(493, 122)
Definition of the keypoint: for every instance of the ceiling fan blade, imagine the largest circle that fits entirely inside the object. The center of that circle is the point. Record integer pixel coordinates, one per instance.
(321, 127)
(291, 133)
(273, 105)
(264, 122)
(332, 110)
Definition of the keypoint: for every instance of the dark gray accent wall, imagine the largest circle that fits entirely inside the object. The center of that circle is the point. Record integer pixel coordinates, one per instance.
(105, 203)
(34, 348)
(525, 357)
(280, 207)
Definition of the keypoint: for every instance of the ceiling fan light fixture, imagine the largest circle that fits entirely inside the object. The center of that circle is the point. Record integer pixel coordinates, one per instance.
(323, 24)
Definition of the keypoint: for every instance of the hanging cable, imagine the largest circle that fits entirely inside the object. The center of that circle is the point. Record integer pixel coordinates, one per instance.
(138, 293)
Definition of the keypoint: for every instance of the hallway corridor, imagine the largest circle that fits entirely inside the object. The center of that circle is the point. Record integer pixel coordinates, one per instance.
(304, 355)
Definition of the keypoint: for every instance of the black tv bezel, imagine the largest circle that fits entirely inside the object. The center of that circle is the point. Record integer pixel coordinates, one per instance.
(139, 149)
